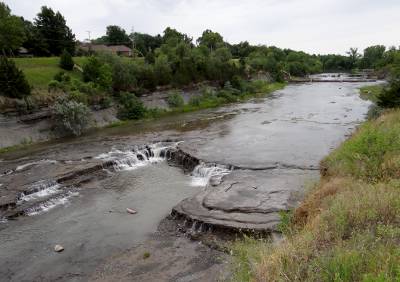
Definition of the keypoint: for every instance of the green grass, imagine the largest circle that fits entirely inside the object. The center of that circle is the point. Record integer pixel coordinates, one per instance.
(348, 227)
(371, 92)
(40, 71)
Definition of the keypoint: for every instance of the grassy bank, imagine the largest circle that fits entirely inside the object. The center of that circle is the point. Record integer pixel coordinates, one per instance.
(348, 227)
(40, 71)
(371, 92)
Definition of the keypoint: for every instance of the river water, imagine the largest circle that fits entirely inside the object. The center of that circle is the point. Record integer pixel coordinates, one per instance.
(294, 128)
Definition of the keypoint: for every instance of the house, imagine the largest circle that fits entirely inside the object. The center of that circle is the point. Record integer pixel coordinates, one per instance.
(120, 50)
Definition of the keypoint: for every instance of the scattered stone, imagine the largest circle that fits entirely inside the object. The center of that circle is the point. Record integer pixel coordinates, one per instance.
(131, 211)
(58, 248)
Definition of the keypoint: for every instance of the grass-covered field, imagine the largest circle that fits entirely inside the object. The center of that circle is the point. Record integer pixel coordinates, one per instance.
(40, 71)
(348, 227)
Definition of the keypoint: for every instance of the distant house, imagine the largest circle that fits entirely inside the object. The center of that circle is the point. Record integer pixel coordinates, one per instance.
(120, 50)
(23, 52)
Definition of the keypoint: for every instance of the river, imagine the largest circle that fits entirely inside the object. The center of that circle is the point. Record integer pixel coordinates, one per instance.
(260, 156)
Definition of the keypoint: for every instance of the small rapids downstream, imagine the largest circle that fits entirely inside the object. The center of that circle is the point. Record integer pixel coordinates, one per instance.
(235, 167)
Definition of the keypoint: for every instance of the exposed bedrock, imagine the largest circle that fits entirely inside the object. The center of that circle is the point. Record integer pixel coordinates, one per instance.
(247, 199)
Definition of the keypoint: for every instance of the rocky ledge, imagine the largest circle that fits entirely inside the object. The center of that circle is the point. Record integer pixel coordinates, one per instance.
(247, 200)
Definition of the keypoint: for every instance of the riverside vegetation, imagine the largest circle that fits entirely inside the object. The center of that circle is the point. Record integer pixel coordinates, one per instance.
(347, 228)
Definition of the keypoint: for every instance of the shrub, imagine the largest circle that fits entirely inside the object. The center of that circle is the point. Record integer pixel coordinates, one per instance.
(71, 117)
(13, 83)
(195, 101)
(175, 100)
(123, 77)
(62, 77)
(390, 97)
(66, 61)
(78, 96)
(131, 107)
(227, 96)
(91, 69)
(54, 85)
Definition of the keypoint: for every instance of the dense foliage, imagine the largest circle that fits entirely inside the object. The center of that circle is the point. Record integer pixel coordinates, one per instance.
(12, 80)
(131, 107)
(71, 117)
(66, 61)
(11, 30)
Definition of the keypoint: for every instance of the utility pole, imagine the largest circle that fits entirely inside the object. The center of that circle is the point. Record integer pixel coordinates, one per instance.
(133, 42)
(90, 41)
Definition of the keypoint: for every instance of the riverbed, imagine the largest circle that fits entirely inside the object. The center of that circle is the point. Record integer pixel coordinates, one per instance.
(260, 157)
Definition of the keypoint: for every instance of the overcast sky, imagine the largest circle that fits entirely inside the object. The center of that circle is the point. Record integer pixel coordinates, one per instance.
(315, 26)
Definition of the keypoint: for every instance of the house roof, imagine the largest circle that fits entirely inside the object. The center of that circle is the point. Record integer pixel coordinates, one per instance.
(120, 48)
(105, 48)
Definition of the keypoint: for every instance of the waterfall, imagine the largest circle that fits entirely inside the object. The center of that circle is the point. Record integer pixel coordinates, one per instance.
(137, 157)
(50, 204)
(203, 173)
(40, 189)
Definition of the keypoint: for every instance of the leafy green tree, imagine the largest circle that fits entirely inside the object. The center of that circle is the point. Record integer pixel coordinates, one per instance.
(354, 56)
(34, 41)
(12, 33)
(146, 43)
(116, 35)
(211, 40)
(12, 80)
(373, 56)
(54, 32)
(66, 61)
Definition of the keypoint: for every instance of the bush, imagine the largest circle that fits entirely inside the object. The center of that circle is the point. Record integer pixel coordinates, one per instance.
(131, 107)
(71, 117)
(390, 97)
(175, 100)
(54, 85)
(66, 61)
(123, 77)
(62, 77)
(78, 96)
(91, 69)
(13, 83)
(195, 101)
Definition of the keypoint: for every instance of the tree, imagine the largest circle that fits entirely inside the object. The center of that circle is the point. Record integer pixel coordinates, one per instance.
(66, 61)
(12, 33)
(12, 80)
(373, 55)
(55, 33)
(211, 40)
(354, 56)
(146, 43)
(116, 35)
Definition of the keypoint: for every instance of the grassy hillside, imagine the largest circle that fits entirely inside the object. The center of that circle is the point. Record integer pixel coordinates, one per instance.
(348, 227)
(40, 71)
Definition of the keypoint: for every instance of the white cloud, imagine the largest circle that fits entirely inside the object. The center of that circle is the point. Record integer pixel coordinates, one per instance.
(316, 26)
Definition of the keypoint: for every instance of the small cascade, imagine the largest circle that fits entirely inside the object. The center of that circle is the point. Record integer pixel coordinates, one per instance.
(40, 189)
(138, 157)
(50, 204)
(203, 173)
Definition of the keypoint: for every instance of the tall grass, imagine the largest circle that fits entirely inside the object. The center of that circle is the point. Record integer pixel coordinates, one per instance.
(348, 228)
